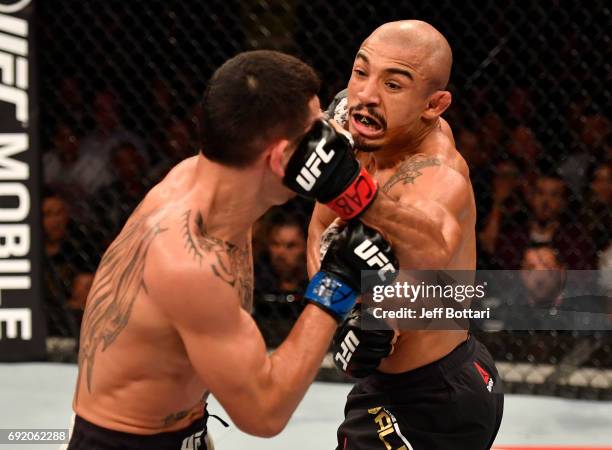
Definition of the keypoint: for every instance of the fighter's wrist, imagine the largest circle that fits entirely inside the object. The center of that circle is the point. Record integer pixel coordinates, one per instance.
(332, 294)
(356, 197)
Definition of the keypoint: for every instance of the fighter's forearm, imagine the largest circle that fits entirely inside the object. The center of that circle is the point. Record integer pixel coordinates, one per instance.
(295, 364)
(417, 241)
(321, 218)
(313, 251)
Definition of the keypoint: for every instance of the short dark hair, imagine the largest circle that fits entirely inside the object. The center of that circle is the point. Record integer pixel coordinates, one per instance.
(251, 100)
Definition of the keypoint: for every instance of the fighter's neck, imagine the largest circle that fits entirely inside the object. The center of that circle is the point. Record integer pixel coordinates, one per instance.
(229, 199)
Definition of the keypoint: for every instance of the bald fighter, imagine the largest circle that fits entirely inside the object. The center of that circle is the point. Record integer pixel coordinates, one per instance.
(168, 319)
(437, 389)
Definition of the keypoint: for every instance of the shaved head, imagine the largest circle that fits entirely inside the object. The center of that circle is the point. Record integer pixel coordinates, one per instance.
(397, 90)
(423, 44)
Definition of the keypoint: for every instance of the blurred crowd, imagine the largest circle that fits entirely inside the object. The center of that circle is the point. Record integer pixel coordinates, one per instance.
(536, 209)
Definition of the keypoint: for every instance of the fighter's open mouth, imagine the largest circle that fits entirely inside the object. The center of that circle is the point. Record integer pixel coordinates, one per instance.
(368, 121)
(366, 126)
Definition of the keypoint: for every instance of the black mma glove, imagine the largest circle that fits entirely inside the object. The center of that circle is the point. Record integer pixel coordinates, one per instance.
(358, 352)
(324, 168)
(338, 283)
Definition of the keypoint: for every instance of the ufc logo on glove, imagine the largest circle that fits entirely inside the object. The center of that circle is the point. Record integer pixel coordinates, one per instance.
(348, 347)
(310, 172)
(372, 255)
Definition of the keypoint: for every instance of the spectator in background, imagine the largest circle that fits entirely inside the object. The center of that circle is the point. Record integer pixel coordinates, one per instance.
(541, 276)
(131, 181)
(525, 146)
(550, 222)
(492, 133)
(550, 299)
(479, 163)
(539, 295)
(62, 163)
(66, 254)
(177, 143)
(520, 106)
(280, 277)
(70, 103)
(598, 205)
(595, 131)
(507, 209)
(598, 217)
(108, 132)
(282, 270)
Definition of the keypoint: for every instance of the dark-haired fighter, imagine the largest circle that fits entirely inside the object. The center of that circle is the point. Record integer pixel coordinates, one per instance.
(438, 389)
(167, 319)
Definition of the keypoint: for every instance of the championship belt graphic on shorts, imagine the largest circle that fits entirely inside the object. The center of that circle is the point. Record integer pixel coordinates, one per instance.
(388, 430)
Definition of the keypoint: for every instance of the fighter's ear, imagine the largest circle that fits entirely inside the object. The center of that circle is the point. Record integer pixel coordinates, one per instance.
(278, 156)
(439, 102)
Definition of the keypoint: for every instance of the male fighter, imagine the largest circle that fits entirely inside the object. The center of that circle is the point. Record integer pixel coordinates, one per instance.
(167, 319)
(436, 390)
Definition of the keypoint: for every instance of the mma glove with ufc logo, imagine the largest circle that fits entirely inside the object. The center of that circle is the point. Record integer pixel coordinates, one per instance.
(358, 352)
(354, 249)
(324, 168)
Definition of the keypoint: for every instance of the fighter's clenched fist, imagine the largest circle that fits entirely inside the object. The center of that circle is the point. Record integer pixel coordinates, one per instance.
(355, 251)
(324, 168)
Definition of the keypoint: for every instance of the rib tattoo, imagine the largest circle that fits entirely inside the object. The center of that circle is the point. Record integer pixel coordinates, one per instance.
(408, 170)
(118, 281)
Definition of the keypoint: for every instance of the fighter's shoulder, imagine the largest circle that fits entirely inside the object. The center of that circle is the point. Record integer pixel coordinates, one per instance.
(432, 175)
(180, 263)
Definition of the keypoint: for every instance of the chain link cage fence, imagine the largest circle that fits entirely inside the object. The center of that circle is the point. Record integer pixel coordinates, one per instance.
(120, 84)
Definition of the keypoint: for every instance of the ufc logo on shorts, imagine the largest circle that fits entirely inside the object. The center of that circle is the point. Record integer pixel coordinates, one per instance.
(193, 442)
(348, 346)
(372, 255)
(310, 172)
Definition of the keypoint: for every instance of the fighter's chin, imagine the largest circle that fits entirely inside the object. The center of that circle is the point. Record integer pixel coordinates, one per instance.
(366, 143)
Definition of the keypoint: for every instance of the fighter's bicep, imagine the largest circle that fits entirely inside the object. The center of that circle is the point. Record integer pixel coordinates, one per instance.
(443, 218)
(442, 194)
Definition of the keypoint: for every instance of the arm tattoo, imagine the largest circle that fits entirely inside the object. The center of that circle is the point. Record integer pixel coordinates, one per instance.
(118, 281)
(408, 170)
(231, 263)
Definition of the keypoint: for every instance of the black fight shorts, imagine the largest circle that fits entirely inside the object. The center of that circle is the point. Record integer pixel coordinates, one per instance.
(88, 436)
(455, 403)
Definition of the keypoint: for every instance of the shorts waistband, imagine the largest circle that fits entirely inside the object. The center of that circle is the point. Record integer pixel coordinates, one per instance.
(166, 439)
(429, 372)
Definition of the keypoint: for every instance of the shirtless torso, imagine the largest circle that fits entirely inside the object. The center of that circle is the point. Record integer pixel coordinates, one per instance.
(417, 348)
(139, 378)
(432, 177)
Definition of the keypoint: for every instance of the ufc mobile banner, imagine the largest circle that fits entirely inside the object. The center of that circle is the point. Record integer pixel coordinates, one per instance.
(22, 326)
(493, 300)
